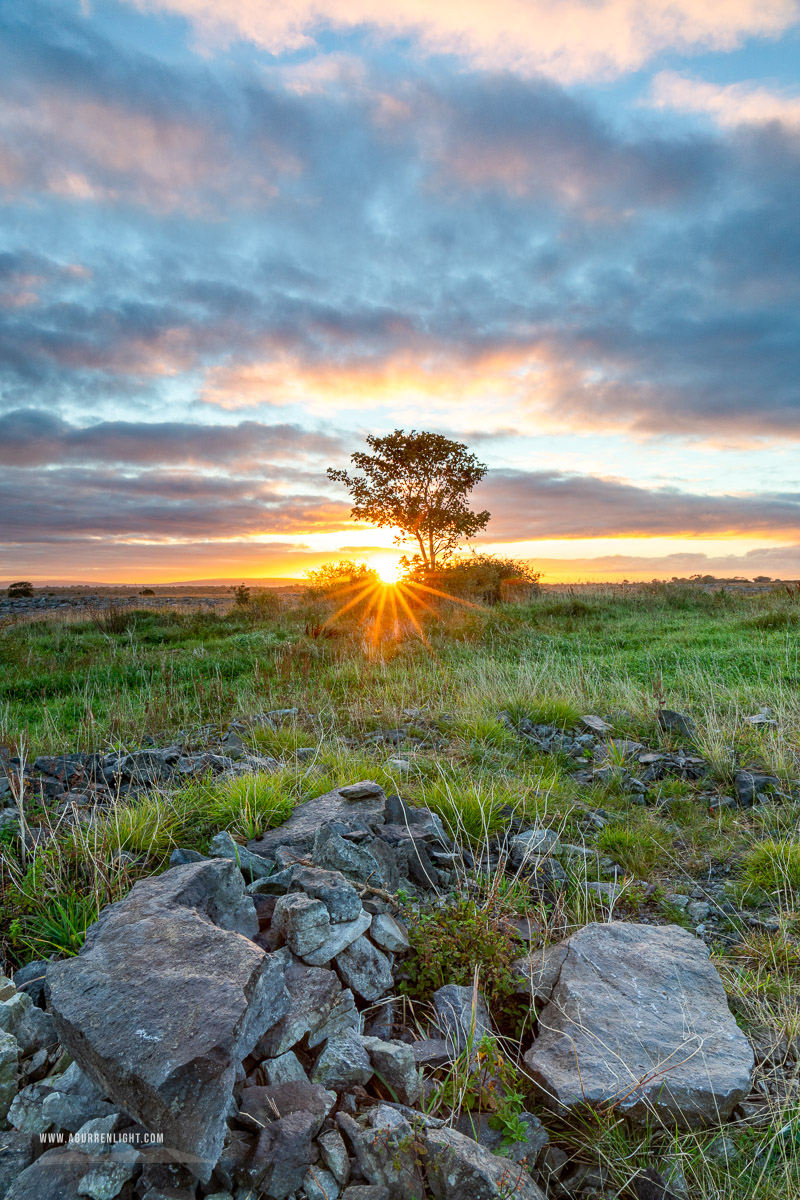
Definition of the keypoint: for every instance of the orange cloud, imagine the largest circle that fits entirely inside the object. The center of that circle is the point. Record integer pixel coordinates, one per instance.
(567, 39)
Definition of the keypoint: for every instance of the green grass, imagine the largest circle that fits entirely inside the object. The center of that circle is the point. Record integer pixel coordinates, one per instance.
(617, 652)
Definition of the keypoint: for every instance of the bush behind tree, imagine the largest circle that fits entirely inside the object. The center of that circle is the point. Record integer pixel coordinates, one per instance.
(20, 590)
(480, 578)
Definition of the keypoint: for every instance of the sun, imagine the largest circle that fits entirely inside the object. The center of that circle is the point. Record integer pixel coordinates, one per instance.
(389, 572)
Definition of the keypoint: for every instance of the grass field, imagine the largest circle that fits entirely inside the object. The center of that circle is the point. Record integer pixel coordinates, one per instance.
(622, 653)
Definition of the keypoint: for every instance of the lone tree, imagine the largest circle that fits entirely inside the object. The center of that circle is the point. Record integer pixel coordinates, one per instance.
(417, 483)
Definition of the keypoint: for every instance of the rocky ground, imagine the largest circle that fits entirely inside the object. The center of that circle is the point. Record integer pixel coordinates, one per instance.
(246, 1023)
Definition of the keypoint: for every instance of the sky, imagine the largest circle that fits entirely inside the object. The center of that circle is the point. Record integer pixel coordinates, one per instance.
(237, 237)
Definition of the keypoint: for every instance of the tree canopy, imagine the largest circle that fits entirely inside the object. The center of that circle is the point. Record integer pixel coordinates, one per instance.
(418, 483)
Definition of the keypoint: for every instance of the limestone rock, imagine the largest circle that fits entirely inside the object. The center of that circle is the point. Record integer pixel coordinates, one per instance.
(252, 866)
(533, 842)
(387, 1152)
(284, 1152)
(389, 934)
(9, 1055)
(313, 993)
(335, 1156)
(394, 1062)
(303, 921)
(343, 1063)
(338, 895)
(639, 1019)
(676, 723)
(32, 1028)
(525, 1150)
(459, 1167)
(57, 1173)
(299, 831)
(538, 973)
(341, 936)
(283, 1069)
(161, 1005)
(365, 969)
(319, 1184)
(462, 1016)
(16, 1155)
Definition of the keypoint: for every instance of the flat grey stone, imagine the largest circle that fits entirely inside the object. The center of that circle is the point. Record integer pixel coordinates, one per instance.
(303, 921)
(33, 1029)
(283, 1069)
(320, 1184)
(533, 842)
(335, 1156)
(313, 994)
(458, 1167)
(299, 831)
(639, 1019)
(162, 1004)
(463, 1018)
(9, 1056)
(538, 972)
(525, 1150)
(56, 1173)
(16, 1155)
(337, 894)
(252, 866)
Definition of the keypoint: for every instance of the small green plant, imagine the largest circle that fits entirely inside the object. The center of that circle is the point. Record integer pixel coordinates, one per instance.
(632, 847)
(451, 943)
(61, 928)
(774, 866)
(250, 805)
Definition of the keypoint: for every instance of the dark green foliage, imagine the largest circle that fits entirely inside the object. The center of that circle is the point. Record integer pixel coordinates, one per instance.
(20, 590)
(450, 943)
(417, 483)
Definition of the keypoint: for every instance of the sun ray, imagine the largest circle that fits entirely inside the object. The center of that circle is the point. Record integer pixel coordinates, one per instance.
(413, 619)
(435, 592)
(356, 599)
(376, 633)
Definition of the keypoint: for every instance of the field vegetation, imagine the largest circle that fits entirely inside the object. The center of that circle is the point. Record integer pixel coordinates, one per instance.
(458, 679)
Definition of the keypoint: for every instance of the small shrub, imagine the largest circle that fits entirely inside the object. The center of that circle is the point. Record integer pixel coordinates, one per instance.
(147, 592)
(20, 590)
(241, 595)
(480, 578)
(451, 943)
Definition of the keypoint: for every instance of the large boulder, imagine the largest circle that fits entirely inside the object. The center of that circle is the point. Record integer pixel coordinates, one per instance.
(165, 1000)
(364, 802)
(638, 1021)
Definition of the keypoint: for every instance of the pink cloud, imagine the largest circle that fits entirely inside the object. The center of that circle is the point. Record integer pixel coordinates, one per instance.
(566, 39)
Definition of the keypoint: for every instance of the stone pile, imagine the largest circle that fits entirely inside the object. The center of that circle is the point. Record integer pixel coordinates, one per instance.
(230, 1030)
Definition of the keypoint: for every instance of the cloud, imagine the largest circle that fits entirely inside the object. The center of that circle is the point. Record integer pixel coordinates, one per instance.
(84, 504)
(729, 104)
(530, 505)
(778, 562)
(31, 437)
(570, 39)
(447, 242)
